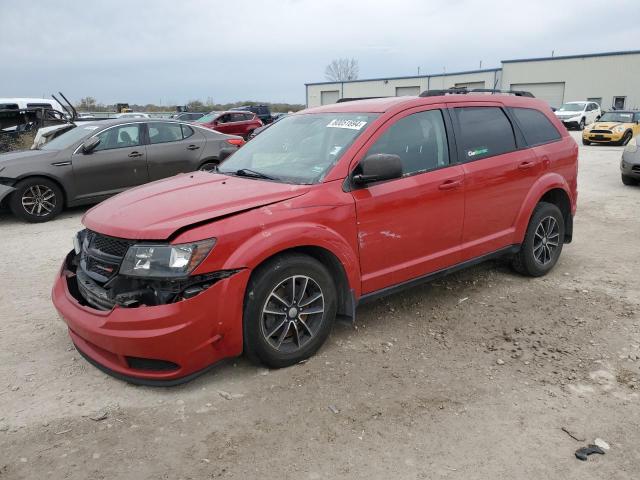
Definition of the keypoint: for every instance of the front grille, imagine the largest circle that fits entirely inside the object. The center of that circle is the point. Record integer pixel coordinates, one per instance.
(111, 246)
(102, 255)
(601, 131)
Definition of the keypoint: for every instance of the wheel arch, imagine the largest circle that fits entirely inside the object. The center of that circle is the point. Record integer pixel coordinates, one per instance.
(346, 297)
(552, 188)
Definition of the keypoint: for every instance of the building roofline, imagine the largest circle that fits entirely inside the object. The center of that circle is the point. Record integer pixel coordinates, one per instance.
(568, 57)
(431, 75)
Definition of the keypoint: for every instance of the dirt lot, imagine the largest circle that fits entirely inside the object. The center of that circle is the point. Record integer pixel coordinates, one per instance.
(469, 377)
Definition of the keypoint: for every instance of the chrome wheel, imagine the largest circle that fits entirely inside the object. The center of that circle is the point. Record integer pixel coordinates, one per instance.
(546, 240)
(293, 313)
(39, 200)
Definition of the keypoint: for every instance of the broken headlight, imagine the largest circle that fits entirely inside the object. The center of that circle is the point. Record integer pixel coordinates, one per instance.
(165, 261)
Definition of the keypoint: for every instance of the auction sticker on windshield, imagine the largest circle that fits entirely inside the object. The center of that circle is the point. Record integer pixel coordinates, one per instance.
(350, 124)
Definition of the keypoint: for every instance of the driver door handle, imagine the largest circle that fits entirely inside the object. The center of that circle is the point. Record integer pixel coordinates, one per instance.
(135, 154)
(526, 165)
(193, 147)
(450, 184)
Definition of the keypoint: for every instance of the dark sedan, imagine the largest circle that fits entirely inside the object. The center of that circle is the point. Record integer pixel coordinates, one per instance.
(93, 161)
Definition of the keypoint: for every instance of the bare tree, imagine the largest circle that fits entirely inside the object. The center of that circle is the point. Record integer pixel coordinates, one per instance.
(342, 69)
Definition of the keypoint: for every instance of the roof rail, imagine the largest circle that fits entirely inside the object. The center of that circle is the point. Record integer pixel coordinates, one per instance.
(465, 90)
(348, 99)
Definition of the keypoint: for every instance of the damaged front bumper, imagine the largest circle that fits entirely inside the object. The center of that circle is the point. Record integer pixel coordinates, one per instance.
(130, 337)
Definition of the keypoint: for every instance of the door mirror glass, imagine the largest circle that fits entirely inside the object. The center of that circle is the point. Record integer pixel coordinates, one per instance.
(90, 145)
(378, 167)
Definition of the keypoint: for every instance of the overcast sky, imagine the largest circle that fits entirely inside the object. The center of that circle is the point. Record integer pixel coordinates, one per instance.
(173, 51)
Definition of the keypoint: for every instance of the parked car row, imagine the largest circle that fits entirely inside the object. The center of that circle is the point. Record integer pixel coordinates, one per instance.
(96, 160)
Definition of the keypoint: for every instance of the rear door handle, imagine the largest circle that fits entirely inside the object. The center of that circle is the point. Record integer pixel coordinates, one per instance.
(526, 165)
(135, 154)
(450, 184)
(193, 147)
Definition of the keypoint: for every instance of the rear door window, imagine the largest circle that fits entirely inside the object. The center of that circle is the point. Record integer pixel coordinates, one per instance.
(483, 132)
(160, 132)
(187, 131)
(535, 126)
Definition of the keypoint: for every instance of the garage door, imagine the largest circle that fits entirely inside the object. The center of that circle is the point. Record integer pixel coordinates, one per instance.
(407, 91)
(329, 96)
(552, 93)
(470, 85)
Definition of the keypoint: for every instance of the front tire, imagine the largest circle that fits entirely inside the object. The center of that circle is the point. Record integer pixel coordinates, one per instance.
(290, 307)
(586, 142)
(36, 200)
(581, 124)
(630, 181)
(626, 138)
(542, 242)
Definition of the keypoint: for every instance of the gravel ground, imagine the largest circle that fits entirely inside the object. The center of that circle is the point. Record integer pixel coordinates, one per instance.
(469, 377)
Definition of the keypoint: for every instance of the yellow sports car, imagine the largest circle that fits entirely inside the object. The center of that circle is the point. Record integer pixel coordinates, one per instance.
(616, 127)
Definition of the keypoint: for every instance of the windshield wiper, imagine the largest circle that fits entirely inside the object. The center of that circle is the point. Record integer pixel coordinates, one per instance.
(246, 172)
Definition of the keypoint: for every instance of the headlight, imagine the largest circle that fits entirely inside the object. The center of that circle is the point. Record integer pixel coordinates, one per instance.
(165, 261)
(618, 129)
(632, 146)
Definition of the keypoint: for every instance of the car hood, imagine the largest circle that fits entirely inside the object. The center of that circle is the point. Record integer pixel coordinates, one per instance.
(157, 210)
(23, 161)
(606, 125)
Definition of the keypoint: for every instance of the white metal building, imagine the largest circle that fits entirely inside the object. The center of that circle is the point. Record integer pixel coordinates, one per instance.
(610, 79)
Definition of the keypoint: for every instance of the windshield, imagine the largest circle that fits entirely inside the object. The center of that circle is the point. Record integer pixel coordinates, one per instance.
(69, 138)
(300, 148)
(571, 107)
(620, 117)
(208, 118)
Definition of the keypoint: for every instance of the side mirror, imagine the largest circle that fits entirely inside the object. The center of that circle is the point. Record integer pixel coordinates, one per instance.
(378, 167)
(90, 145)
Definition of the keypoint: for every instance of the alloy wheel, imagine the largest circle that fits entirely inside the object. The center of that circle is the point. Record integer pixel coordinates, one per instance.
(546, 240)
(293, 313)
(39, 200)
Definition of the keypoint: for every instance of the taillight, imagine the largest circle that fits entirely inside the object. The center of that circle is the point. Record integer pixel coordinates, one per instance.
(238, 142)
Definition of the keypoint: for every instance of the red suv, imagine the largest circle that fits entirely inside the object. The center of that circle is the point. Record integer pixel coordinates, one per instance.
(324, 210)
(232, 123)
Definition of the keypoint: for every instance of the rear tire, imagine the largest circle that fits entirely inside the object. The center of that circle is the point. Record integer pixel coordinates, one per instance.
(630, 181)
(542, 242)
(208, 167)
(36, 200)
(289, 309)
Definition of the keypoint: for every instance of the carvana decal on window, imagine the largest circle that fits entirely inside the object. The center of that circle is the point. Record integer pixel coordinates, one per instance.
(477, 151)
(350, 124)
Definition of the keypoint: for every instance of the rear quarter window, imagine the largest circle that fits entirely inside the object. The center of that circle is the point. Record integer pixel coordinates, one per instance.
(483, 132)
(535, 126)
